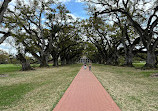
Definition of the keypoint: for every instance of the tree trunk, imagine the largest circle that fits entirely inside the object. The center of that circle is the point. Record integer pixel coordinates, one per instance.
(128, 61)
(156, 60)
(44, 62)
(63, 61)
(129, 58)
(99, 61)
(109, 61)
(25, 64)
(116, 60)
(68, 61)
(151, 59)
(55, 61)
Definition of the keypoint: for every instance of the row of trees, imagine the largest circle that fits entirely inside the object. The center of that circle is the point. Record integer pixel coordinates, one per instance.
(133, 29)
(46, 30)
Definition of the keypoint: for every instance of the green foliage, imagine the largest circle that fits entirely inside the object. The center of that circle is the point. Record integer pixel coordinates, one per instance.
(105, 38)
(4, 57)
(91, 52)
(121, 60)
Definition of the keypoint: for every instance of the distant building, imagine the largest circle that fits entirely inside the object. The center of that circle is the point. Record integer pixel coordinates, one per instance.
(84, 59)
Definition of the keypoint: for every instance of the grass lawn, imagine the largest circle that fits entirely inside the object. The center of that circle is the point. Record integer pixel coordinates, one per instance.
(139, 65)
(37, 90)
(5, 68)
(132, 89)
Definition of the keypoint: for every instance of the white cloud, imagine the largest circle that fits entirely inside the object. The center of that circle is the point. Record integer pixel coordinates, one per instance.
(73, 16)
(12, 4)
(5, 46)
(78, 0)
(3, 29)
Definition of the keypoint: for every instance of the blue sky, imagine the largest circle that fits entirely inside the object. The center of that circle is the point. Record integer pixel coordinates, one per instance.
(77, 9)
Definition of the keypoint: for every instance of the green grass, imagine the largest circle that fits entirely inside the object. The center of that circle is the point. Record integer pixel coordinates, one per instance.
(5, 68)
(139, 65)
(11, 94)
(132, 89)
(40, 89)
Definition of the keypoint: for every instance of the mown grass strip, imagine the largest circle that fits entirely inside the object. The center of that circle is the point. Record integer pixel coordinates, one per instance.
(11, 94)
(5, 68)
(132, 89)
(40, 89)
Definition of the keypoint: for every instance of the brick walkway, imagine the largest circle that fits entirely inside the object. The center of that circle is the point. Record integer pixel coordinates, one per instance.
(86, 94)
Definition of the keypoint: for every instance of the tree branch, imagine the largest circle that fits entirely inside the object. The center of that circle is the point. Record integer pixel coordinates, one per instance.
(4, 8)
(135, 24)
(4, 36)
(151, 17)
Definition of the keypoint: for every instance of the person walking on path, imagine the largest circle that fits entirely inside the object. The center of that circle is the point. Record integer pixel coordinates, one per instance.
(90, 66)
(85, 66)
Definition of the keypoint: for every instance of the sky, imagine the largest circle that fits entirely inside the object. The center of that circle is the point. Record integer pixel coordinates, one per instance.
(76, 7)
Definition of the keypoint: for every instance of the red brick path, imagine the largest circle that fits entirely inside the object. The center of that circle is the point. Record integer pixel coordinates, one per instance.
(86, 94)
